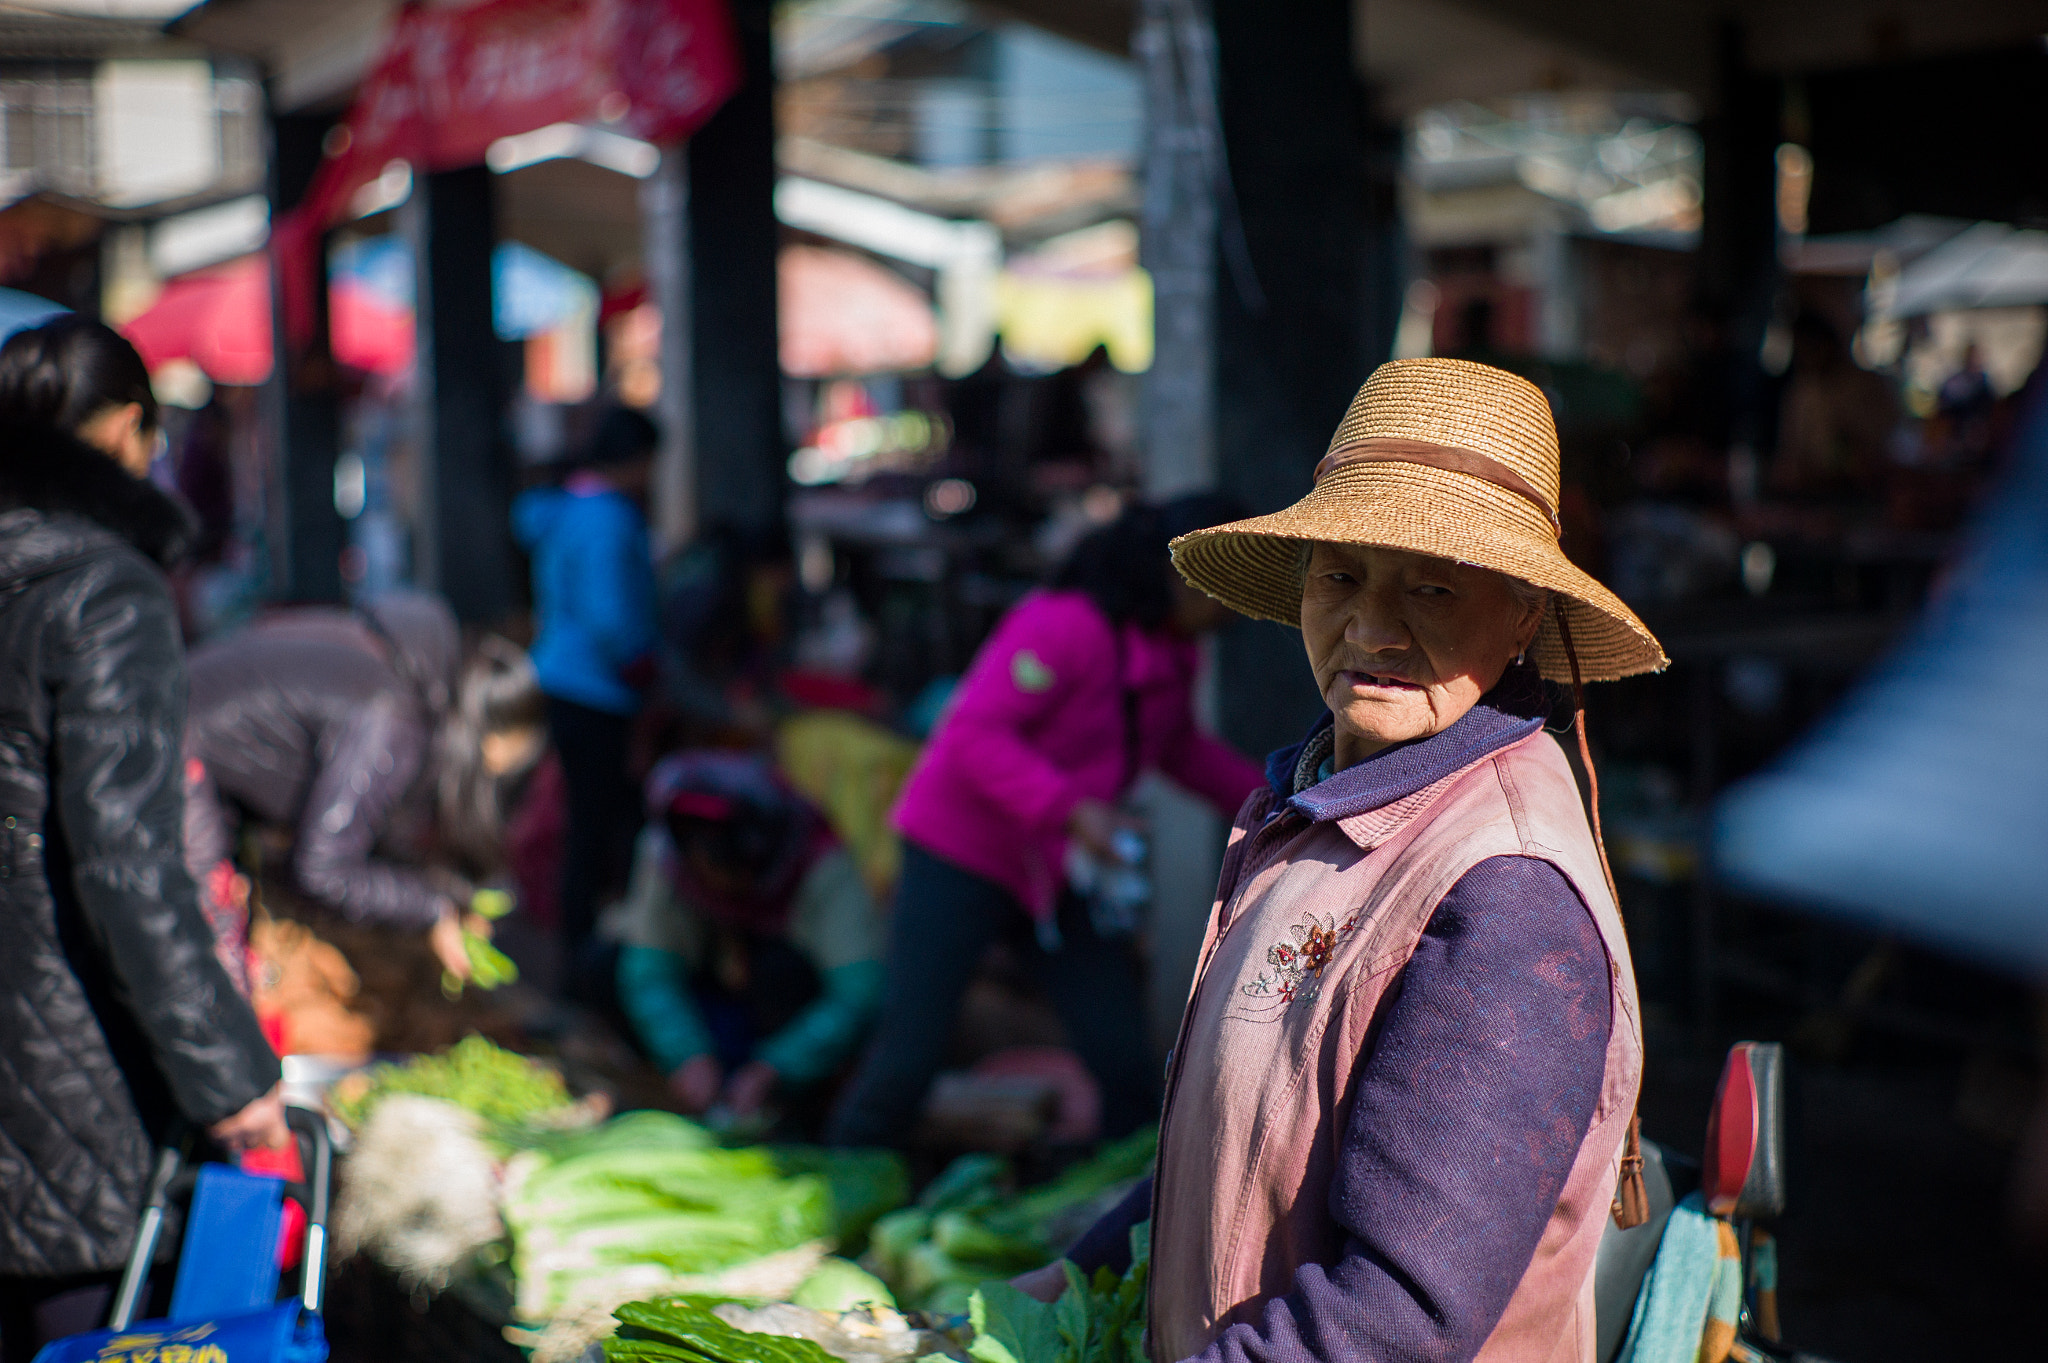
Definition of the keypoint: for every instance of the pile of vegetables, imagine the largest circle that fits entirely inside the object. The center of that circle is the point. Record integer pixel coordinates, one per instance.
(503, 1088)
(649, 1201)
(1098, 1321)
(1094, 1321)
(968, 1228)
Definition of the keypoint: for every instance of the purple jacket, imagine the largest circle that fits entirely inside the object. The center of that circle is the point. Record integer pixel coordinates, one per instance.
(1038, 724)
(1445, 1176)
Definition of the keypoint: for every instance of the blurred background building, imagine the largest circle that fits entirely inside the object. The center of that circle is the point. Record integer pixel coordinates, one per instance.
(939, 285)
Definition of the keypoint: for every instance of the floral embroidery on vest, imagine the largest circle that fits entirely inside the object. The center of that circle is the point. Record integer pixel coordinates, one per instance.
(1296, 967)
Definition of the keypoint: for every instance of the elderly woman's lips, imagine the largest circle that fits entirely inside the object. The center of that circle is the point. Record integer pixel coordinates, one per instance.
(1378, 681)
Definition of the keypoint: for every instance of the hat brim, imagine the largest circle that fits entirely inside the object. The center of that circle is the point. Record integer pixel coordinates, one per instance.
(1255, 566)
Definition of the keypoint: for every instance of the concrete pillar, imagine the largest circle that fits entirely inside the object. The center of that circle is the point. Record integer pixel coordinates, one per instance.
(1739, 272)
(463, 540)
(740, 449)
(1290, 356)
(1175, 47)
(665, 234)
(300, 403)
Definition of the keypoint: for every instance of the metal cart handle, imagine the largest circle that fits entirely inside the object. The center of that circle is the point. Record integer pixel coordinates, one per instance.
(313, 1273)
(168, 1161)
(313, 1193)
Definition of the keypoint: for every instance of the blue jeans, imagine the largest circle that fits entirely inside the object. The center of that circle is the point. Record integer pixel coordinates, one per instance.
(945, 919)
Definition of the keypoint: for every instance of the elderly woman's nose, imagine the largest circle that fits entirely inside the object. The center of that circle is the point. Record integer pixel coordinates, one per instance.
(1376, 623)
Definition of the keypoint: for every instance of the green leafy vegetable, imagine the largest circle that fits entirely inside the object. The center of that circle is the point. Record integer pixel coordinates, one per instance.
(684, 1330)
(841, 1285)
(865, 1184)
(497, 1085)
(965, 1231)
(1010, 1327)
(1092, 1322)
(649, 1197)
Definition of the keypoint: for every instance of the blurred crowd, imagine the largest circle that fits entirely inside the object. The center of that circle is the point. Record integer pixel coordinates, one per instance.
(345, 830)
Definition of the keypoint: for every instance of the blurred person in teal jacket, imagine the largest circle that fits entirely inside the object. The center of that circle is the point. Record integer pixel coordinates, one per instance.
(749, 947)
(593, 592)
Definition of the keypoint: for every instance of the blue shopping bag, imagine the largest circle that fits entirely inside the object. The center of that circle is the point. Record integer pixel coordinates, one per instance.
(284, 1333)
(223, 1305)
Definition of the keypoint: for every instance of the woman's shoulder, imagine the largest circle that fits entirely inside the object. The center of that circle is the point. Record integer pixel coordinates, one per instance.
(1063, 620)
(89, 571)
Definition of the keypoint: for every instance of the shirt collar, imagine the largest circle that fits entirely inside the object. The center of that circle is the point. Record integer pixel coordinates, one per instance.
(1508, 714)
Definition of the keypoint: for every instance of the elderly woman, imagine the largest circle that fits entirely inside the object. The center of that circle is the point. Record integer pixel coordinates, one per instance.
(1398, 1106)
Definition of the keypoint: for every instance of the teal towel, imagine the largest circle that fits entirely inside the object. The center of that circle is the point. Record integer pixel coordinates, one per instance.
(1671, 1309)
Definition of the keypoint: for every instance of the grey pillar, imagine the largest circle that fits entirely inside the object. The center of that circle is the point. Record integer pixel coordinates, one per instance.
(1175, 47)
(1738, 260)
(1289, 358)
(463, 541)
(665, 230)
(301, 407)
(740, 450)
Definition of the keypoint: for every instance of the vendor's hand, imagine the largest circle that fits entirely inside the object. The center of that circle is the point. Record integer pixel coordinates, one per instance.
(445, 937)
(1095, 823)
(695, 1083)
(259, 1124)
(750, 1086)
(1043, 1284)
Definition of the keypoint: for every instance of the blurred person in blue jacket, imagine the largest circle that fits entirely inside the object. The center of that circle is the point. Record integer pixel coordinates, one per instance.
(593, 591)
(750, 951)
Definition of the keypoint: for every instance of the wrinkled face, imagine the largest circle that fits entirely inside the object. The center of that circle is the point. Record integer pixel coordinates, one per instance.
(1402, 645)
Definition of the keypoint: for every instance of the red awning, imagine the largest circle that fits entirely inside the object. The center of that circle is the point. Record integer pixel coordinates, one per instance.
(220, 320)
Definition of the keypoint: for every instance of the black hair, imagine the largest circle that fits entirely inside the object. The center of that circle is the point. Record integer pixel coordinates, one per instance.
(1125, 567)
(624, 435)
(746, 843)
(67, 371)
(498, 690)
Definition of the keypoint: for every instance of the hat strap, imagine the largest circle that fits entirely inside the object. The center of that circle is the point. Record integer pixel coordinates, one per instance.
(1387, 449)
(1564, 631)
(1631, 1205)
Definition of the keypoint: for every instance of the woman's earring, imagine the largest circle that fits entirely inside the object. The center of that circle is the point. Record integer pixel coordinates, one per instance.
(1520, 655)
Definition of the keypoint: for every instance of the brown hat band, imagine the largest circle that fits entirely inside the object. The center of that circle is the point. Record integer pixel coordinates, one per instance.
(1386, 449)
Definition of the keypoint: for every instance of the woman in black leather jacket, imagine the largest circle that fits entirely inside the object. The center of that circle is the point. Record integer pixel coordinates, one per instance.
(116, 1020)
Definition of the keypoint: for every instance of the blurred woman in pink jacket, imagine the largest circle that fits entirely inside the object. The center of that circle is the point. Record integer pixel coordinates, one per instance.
(1083, 686)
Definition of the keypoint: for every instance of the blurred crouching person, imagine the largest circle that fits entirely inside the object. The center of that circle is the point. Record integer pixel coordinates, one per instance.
(593, 593)
(1083, 687)
(373, 748)
(116, 1018)
(750, 949)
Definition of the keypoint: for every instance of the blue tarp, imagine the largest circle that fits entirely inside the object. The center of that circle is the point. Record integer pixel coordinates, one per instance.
(19, 311)
(1921, 806)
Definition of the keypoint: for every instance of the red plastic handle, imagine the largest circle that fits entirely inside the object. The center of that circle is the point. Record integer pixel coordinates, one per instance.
(1731, 1133)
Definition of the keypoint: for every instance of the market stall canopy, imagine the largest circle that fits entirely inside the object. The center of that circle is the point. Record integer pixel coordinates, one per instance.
(449, 82)
(844, 315)
(1056, 304)
(1988, 266)
(1918, 808)
(220, 318)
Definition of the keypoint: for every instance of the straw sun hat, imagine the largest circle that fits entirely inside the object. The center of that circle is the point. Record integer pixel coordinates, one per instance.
(1441, 457)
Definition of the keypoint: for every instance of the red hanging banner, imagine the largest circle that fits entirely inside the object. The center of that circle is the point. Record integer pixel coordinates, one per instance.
(452, 81)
